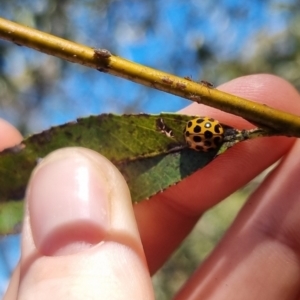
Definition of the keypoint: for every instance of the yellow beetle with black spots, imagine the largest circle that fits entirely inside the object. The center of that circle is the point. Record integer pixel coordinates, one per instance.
(203, 134)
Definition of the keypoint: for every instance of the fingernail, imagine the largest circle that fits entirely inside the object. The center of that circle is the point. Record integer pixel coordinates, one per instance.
(68, 203)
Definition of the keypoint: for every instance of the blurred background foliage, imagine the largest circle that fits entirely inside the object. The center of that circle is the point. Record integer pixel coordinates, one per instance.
(206, 40)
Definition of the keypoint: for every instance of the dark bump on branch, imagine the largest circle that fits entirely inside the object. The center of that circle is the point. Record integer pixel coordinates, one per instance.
(188, 78)
(181, 85)
(167, 80)
(102, 55)
(207, 84)
(195, 98)
(103, 70)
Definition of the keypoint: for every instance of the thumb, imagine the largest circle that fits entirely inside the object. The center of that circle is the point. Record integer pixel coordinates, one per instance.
(80, 239)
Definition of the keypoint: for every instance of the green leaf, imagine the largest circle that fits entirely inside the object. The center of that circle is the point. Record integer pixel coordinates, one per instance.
(11, 216)
(149, 150)
(150, 176)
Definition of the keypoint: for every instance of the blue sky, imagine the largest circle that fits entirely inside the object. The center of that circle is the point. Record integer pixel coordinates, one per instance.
(170, 44)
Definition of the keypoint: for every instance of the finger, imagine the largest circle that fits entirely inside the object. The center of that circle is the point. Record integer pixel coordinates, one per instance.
(80, 239)
(259, 256)
(12, 289)
(9, 135)
(167, 218)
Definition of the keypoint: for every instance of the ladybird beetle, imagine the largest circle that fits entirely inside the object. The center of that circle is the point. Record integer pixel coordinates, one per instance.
(203, 134)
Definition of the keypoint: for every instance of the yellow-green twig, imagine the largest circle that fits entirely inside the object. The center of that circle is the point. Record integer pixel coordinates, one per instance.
(282, 122)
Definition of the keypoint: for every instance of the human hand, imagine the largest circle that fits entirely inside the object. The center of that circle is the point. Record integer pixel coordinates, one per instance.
(80, 239)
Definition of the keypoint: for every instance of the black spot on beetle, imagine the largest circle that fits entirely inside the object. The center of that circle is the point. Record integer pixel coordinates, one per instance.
(197, 139)
(197, 129)
(217, 128)
(208, 134)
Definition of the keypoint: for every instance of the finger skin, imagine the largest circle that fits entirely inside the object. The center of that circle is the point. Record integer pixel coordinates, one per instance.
(167, 218)
(79, 238)
(259, 256)
(9, 135)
